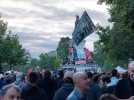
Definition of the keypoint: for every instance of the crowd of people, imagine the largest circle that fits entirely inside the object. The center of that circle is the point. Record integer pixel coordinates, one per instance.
(68, 85)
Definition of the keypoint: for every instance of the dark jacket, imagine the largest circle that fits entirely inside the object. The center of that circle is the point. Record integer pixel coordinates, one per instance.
(60, 82)
(108, 89)
(90, 95)
(124, 89)
(30, 92)
(48, 85)
(95, 90)
(63, 92)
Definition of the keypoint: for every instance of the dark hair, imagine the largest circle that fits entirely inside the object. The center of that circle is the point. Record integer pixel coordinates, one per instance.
(7, 87)
(106, 79)
(33, 77)
(61, 73)
(125, 75)
(89, 74)
(47, 74)
(96, 78)
(114, 72)
(68, 80)
(108, 97)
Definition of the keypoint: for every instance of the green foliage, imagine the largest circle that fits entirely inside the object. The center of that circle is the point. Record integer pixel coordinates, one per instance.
(55, 62)
(44, 60)
(102, 48)
(117, 43)
(50, 62)
(62, 50)
(11, 51)
(98, 54)
(34, 62)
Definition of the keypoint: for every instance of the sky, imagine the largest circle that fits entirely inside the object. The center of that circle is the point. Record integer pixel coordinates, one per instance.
(41, 23)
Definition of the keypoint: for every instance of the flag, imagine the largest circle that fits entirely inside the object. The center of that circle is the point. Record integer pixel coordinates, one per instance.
(88, 54)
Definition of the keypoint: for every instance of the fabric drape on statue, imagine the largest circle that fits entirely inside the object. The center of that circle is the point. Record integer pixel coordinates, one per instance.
(83, 28)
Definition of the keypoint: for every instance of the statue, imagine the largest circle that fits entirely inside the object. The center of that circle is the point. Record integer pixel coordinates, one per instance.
(83, 27)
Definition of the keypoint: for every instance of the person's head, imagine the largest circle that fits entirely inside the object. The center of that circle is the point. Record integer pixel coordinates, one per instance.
(81, 81)
(131, 70)
(10, 92)
(33, 78)
(96, 78)
(40, 77)
(106, 79)
(114, 72)
(68, 77)
(90, 75)
(124, 75)
(47, 74)
(61, 73)
(108, 97)
(68, 74)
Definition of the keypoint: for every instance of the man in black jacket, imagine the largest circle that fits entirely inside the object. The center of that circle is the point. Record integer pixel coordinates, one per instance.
(66, 87)
(125, 87)
(31, 91)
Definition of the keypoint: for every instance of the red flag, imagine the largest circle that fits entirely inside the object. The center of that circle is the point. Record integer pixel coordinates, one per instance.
(88, 54)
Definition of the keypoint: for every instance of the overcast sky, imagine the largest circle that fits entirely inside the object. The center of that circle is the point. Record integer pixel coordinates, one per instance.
(41, 23)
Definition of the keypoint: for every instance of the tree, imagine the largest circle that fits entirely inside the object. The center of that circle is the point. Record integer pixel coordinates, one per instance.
(11, 51)
(3, 28)
(34, 62)
(102, 48)
(98, 54)
(55, 62)
(118, 42)
(62, 49)
(44, 60)
(50, 62)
